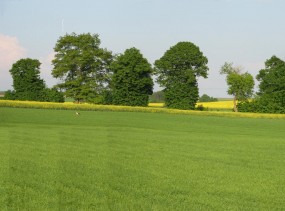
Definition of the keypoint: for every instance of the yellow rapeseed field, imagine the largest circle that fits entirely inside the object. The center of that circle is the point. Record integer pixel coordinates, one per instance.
(218, 105)
(158, 105)
(210, 105)
(153, 108)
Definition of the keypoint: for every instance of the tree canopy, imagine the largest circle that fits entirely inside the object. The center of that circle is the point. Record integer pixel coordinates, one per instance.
(82, 66)
(26, 79)
(272, 85)
(28, 85)
(272, 78)
(131, 82)
(240, 84)
(177, 71)
(271, 95)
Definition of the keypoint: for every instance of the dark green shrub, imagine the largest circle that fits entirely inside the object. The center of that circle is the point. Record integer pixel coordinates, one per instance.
(207, 98)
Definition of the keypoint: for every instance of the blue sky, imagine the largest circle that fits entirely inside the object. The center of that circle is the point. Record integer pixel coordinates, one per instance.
(245, 32)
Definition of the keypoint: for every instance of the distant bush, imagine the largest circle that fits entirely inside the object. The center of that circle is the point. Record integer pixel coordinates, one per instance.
(157, 97)
(261, 105)
(200, 107)
(207, 98)
(10, 95)
(52, 95)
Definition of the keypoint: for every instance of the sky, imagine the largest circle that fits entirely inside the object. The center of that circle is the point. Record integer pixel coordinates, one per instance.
(245, 32)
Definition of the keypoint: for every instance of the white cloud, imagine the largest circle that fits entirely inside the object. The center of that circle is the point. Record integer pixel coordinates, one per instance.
(10, 52)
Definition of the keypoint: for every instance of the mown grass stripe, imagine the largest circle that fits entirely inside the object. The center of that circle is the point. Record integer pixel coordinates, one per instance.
(55, 160)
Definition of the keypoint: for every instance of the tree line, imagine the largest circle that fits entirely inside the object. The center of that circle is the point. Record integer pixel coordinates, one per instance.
(90, 73)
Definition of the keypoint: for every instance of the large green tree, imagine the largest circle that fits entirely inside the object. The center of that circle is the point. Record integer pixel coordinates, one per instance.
(82, 66)
(28, 85)
(272, 78)
(272, 83)
(131, 82)
(177, 71)
(240, 85)
(271, 95)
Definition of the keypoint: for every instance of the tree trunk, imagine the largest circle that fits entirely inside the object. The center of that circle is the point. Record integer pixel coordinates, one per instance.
(235, 104)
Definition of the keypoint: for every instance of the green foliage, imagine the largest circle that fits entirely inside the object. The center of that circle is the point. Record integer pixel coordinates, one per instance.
(82, 66)
(107, 98)
(240, 84)
(272, 80)
(261, 105)
(10, 95)
(53, 95)
(28, 85)
(157, 97)
(271, 95)
(131, 82)
(177, 72)
(26, 81)
(183, 94)
(55, 160)
(207, 98)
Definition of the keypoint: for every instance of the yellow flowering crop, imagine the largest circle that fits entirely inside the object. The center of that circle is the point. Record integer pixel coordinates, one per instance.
(210, 105)
(217, 105)
(92, 107)
(156, 105)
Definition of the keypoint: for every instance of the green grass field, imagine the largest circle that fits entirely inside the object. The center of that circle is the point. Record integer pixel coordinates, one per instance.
(55, 160)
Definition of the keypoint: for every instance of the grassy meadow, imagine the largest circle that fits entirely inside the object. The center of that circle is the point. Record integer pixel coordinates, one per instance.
(100, 160)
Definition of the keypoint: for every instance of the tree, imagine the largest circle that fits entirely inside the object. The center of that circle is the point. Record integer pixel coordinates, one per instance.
(177, 72)
(240, 84)
(82, 66)
(272, 78)
(28, 85)
(131, 82)
(271, 95)
(272, 82)
(26, 80)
